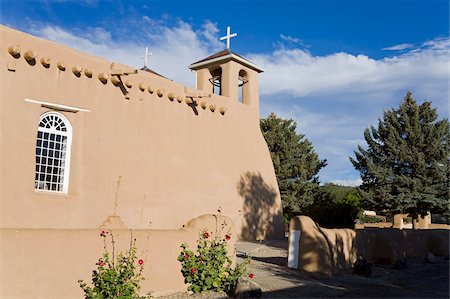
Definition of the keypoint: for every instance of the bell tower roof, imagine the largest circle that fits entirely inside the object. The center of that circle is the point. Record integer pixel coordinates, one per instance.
(222, 57)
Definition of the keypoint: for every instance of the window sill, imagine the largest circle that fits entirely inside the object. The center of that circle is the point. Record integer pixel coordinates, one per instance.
(43, 194)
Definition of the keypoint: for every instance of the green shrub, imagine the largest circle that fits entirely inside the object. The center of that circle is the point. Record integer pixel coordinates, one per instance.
(209, 267)
(116, 276)
(335, 206)
(369, 219)
(407, 220)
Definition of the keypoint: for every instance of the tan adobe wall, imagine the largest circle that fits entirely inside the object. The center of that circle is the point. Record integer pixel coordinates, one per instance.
(178, 157)
(46, 263)
(388, 245)
(437, 225)
(420, 223)
(378, 225)
(329, 250)
(323, 250)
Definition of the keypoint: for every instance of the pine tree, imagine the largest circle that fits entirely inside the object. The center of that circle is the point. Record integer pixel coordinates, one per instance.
(295, 161)
(405, 168)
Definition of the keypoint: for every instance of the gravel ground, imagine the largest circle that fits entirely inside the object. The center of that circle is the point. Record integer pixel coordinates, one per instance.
(419, 280)
(204, 295)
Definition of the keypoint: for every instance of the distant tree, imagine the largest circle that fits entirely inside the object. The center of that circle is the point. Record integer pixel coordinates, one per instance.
(335, 206)
(295, 161)
(405, 168)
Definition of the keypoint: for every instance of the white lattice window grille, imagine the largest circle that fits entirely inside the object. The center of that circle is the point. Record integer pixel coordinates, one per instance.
(54, 139)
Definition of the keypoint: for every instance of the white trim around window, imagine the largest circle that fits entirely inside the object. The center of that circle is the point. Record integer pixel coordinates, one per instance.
(53, 149)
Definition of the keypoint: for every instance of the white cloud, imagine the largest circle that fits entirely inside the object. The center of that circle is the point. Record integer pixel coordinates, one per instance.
(438, 44)
(351, 183)
(173, 48)
(399, 47)
(291, 39)
(210, 32)
(99, 34)
(302, 74)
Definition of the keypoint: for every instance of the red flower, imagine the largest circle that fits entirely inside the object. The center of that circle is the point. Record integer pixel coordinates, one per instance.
(228, 237)
(193, 270)
(206, 235)
(186, 256)
(101, 264)
(140, 262)
(250, 275)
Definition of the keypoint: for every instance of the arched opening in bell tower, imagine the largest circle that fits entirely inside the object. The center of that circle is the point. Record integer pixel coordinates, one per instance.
(243, 91)
(216, 81)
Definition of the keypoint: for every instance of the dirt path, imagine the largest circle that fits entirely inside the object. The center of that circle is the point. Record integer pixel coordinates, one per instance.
(419, 280)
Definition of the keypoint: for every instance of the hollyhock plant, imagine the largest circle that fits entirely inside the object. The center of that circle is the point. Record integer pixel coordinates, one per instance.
(210, 266)
(117, 275)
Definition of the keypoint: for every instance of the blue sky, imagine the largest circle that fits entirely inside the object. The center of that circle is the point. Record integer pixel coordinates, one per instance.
(333, 66)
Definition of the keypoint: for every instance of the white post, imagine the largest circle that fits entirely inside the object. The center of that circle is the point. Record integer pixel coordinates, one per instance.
(294, 244)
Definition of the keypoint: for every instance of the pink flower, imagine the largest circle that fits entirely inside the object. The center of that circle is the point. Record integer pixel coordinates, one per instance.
(186, 256)
(100, 263)
(206, 235)
(228, 237)
(140, 262)
(250, 275)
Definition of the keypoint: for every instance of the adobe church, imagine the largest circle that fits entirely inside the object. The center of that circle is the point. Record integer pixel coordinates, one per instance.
(88, 143)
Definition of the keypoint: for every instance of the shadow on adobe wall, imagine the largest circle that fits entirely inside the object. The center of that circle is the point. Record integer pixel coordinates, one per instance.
(263, 216)
(323, 251)
(328, 251)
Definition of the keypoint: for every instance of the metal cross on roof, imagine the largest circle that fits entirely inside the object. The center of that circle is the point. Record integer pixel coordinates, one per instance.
(228, 37)
(147, 54)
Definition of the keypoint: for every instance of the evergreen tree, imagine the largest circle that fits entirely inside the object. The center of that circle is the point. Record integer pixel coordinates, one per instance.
(295, 161)
(406, 166)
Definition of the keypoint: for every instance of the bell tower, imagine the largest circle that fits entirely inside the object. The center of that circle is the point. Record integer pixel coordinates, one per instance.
(229, 75)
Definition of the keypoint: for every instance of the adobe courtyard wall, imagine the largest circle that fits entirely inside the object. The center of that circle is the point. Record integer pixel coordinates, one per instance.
(329, 250)
(179, 152)
(47, 263)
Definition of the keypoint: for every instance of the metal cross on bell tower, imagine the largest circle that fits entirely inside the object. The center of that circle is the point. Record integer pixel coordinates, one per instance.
(145, 57)
(228, 37)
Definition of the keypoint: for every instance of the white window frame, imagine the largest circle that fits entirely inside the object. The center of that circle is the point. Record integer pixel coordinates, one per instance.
(68, 135)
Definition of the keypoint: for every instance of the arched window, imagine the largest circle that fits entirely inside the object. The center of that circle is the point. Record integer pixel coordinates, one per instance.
(54, 138)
